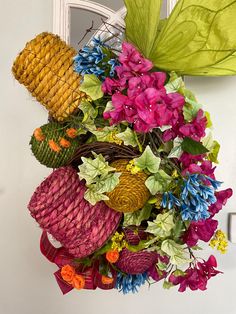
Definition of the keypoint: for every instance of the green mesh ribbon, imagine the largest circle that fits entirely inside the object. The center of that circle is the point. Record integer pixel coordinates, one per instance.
(53, 133)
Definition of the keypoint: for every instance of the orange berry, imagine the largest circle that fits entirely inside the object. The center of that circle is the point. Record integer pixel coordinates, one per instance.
(107, 280)
(64, 143)
(78, 282)
(38, 134)
(53, 145)
(72, 133)
(112, 256)
(68, 273)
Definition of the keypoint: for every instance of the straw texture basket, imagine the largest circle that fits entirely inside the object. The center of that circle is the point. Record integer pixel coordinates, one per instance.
(58, 205)
(131, 193)
(136, 262)
(45, 67)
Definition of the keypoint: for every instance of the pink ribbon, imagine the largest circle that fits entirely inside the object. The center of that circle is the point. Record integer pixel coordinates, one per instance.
(61, 257)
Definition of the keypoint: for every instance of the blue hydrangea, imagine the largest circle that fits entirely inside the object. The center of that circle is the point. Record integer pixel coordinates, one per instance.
(130, 283)
(195, 197)
(93, 60)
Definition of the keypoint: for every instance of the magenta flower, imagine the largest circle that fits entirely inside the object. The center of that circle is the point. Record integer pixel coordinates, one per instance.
(205, 167)
(132, 61)
(187, 159)
(222, 198)
(196, 128)
(201, 230)
(196, 278)
(110, 86)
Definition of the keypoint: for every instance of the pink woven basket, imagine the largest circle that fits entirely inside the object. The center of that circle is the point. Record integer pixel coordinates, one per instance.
(58, 205)
(136, 262)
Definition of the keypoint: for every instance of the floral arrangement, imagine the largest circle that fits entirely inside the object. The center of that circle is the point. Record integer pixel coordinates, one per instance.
(133, 194)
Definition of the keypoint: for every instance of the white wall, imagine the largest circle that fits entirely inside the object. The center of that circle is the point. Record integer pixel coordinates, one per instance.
(27, 285)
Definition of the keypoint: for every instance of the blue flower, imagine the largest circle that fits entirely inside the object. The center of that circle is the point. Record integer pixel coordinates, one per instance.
(93, 60)
(130, 283)
(196, 197)
(197, 194)
(169, 200)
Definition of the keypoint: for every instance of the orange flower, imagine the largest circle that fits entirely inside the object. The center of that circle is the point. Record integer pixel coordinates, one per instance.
(68, 273)
(112, 256)
(107, 280)
(78, 282)
(38, 134)
(72, 133)
(53, 145)
(64, 143)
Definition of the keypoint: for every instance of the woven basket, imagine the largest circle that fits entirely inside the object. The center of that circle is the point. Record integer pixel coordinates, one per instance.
(45, 67)
(53, 131)
(136, 262)
(131, 193)
(58, 205)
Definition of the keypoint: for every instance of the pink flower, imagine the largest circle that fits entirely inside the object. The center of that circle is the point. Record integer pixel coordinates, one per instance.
(196, 128)
(196, 278)
(201, 230)
(222, 198)
(132, 61)
(187, 159)
(205, 167)
(109, 86)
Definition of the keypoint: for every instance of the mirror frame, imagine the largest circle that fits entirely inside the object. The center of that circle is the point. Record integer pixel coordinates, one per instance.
(61, 14)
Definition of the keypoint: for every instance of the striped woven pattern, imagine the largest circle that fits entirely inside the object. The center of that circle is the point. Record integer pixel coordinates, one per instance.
(136, 262)
(131, 193)
(45, 67)
(58, 205)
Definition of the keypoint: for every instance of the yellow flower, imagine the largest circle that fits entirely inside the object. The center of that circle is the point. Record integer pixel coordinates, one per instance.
(131, 167)
(114, 139)
(118, 242)
(219, 241)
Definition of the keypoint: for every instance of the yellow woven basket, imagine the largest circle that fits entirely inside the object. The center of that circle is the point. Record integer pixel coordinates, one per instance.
(45, 67)
(131, 193)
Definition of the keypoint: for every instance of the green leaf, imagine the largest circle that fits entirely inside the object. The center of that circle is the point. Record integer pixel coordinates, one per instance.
(192, 147)
(175, 85)
(167, 285)
(212, 146)
(196, 248)
(190, 109)
(137, 217)
(161, 227)
(92, 86)
(90, 113)
(148, 161)
(107, 183)
(209, 122)
(179, 272)
(91, 168)
(198, 38)
(162, 266)
(93, 196)
(158, 182)
(128, 137)
(142, 23)
(105, 134)
(175, 251)
(176, 151)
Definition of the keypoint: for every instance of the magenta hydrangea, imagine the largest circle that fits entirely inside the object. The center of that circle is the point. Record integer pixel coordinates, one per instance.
(139, 96)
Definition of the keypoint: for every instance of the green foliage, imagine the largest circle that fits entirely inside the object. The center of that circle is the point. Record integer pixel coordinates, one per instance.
(137, 217)
(142, 24)
(128, 137)
(148, 161)
(161, 227)
(158, 182)
(176, 151)
(92, 86)
(193, 147)
(198, 39)
(175, 251)
(99, 176)
(212, 146)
